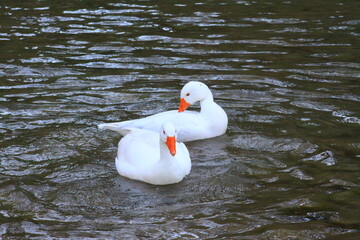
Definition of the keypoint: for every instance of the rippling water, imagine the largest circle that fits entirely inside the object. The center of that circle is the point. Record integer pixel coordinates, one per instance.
(286, 72)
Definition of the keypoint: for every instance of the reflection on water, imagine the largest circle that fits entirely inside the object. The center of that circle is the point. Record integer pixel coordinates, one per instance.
(286, 72)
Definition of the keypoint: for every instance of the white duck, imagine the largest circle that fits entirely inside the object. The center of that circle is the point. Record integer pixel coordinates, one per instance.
(211, 121)
(151, 157)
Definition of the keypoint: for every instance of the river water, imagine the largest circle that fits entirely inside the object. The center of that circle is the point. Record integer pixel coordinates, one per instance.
(286, 72)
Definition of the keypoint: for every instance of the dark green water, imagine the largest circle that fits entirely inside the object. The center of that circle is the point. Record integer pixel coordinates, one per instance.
(286, 72)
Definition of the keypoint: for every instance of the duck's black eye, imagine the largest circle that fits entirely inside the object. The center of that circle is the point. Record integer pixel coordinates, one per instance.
(188, 94)
(164, 132)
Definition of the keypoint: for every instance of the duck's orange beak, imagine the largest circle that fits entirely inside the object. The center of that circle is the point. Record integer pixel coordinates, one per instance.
(171, 144)
(183, 105)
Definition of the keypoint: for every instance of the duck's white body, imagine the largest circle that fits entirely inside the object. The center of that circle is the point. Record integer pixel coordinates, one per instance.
(143, 155)
(211, 121)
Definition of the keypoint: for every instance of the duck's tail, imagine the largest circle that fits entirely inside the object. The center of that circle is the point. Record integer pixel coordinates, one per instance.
(119, 127)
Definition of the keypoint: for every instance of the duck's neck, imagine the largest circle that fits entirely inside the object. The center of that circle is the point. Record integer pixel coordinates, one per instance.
(214, 115)
(207, 104)
(164, 151)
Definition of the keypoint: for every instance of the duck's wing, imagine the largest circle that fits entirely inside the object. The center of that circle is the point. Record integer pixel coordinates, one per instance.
(139, 147)
(190, 125)
(153, 122)
(184, 158)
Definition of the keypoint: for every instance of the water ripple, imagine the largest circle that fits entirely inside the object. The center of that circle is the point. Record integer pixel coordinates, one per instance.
(286, 73)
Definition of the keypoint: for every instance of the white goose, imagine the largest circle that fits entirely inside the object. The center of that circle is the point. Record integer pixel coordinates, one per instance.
(151, 157)
(211, 121)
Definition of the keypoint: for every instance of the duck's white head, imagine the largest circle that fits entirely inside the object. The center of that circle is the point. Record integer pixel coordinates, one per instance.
(168, 136)
(192, 92)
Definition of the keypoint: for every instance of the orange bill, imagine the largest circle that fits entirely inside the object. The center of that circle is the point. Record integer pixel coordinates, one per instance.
(183, 105)
(171, 144)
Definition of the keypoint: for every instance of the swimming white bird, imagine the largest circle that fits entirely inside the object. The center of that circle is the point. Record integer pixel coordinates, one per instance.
(152, 157)
(211, 121)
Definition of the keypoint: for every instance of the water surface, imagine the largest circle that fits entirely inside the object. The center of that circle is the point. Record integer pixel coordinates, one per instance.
(286, 72)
